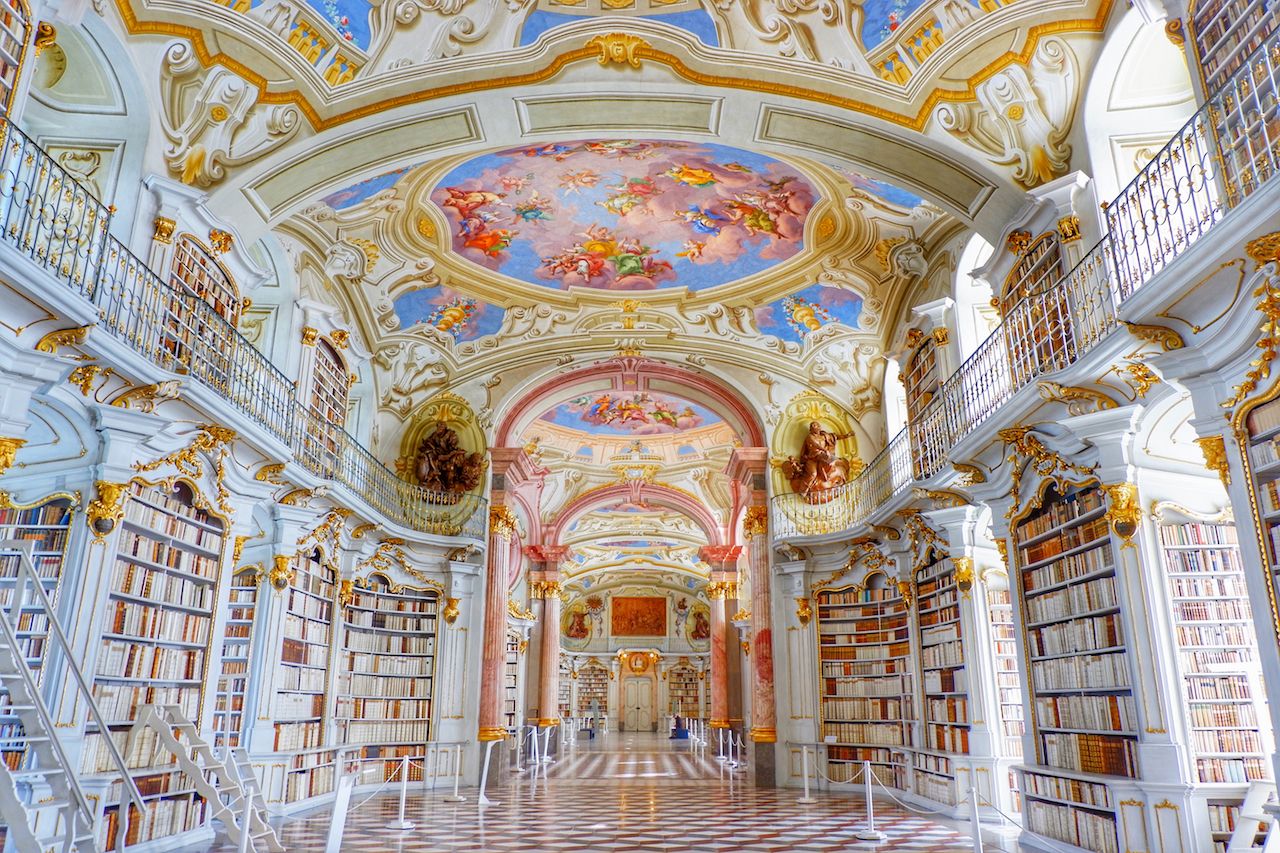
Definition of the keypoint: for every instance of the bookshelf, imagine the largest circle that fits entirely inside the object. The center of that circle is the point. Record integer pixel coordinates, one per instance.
(1226, 32)
(682, 692)
(237, 643)
(302, 678)
(864, 651)
(593, 686)
(1218, 665)
(46, 526)
(565, 697)
(155, 640)
(1008, 678)
(1084, 717)
(943, 680)
(511, 682)
(386, 670)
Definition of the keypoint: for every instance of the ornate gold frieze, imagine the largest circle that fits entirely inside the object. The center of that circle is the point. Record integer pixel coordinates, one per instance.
(618, 48)
(85, 375)
(145, 398)
(270, 473)
(890, 533)
(756, 521)
(361, 530)
(56, 340)
(1140, 378)
(211, 439)
(1078, 400)
(545, 589)
(1214, 448)
(720, 590)
(106, 509)
(1025, 447)
(295, 497)
(517, 612)
(1265, 249)
(1150, 333)
(907, 589)
(46, 36)
(970, 474)
(1269, 306)
(941, 498)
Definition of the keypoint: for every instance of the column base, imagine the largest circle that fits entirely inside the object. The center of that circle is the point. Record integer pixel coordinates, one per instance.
(719, 724)
(491, 733)
(764, 763)
(763, 735)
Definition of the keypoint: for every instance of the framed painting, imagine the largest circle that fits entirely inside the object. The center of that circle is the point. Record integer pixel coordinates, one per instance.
(636, 616)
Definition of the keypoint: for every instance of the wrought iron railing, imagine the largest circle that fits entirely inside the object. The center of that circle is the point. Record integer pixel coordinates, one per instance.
(51, 219)
(1223, 155)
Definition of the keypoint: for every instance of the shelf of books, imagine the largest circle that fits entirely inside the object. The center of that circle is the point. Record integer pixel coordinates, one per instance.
(386, 671)
(302, 679)
(1004, 658)
(944, 683)
(45, 527)
(1084, 717)
(565, 698)
(511, 683)
(156, 634)
(593, 690)
(1226, 32)
(233, 681)
(682, 692)
(1218, 664)
(864, 650)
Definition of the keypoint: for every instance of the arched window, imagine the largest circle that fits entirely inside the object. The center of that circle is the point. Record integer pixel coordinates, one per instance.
(1036, 315)
(196, 271)
(329, 385)
(921, 379)
(15, 39)
(200, 339)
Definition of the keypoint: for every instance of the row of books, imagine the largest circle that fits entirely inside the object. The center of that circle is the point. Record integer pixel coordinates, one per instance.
(305, 605)
(845, 669)
(1109, 755)
(1205, 661)
(1070, 539)
(1230, 634)
(310, 783)
(392, 687)
(1083, 671)
(1197, 534)
(1225, 687)
(1060, 511)
(161, 553)
(118, 702)
(154, 512)
(314, 653)
(869, 686)
(953, 709)
(1080, 635)
(936, 788)
(1079, 564)
(876, 755)
(425, 604)
(388, 621)
(1226, 740)
(1222, 715)
(939, 616)
(1098, 713)
(878, 734)
(947, 738)
(389, 644)
(866, 596)
(869, 652)
(291, 736)
(944, 654)
(861, 708)
(1230, 42)
(931, 763)
(47, 541)
(1089, 830)
(162, 818)
(940, 634)
(383, 709)
(122, 659)
(1189, 561)
(159, 587)
(946, 681)
(299, 706)
(887, 775)
(879, 647)
(298, 678)
(144, 622)
(386, 731)
(1216, 610)
(1232, 770)
(385, 664)
(1097, 594)
(53, 514)
(1063, 788)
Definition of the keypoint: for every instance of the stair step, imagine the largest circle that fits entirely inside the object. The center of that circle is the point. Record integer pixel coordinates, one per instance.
(39, 771)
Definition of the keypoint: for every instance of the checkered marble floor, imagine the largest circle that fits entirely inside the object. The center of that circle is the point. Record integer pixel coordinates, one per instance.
(627, 793)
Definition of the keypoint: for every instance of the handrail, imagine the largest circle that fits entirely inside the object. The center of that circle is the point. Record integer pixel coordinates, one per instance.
(57, 223)
(26, 573)
(1206, 170)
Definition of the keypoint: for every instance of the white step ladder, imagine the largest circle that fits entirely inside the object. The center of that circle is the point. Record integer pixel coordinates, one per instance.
(41, 801)
(1254, 820)
(221, 784)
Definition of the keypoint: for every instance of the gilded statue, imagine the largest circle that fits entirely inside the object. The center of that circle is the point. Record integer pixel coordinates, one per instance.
(443, 465)
(818, 467)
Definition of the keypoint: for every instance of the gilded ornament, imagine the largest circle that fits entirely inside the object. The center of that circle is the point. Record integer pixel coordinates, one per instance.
(941, 498)
(219, 113)
(220, 241)
(8, 452)
(1002, 545)
(890, 533)
(1025, 447)
(1140, 377)
(941, 335)
(1123, 513)
(1162, 336)
(907, 589)
(360, 530)
(1069, 229)
(545, 589)
(210, 439)
(515, 611)
(804, 610)
(1018, 242)
(746, 649)
(443, 465)
(346, 592)
(885, 247)
(742, 615)
(618, 48)
(372, 251)
(295, 497)
(164, 227)
(1269, 343)
(340, 338)
(819, 467)
(145, 398)
(1214, 448)
(106, 509)
(502, 521)
(46, 36)
(450, 612)
(915, 337)
(964, 573)
(310, 334)
(1078, 400)
(85, 375)
(426, 229)
(1015, 112)
(237, 549)
(270, 473)
(1265, 249)
(970, 474)
(1174, 32)
(523, 647)
(756, 521)
(54, 341)
(281, 574)
(719, 590)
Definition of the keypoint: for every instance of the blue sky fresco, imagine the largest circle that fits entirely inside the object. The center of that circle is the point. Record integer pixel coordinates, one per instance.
(794, 317)
(884, 17)
(448, 311)
(895, 195)
(366, 189)
(349, 17)
(612, 413)
(695, 21)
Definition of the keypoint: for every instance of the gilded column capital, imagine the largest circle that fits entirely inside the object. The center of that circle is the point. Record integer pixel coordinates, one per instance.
(106, 509)
(546, 589)
(719, 590)
(1214, 448)
(9, 451)
(756, 521)
(451, 611)
(1123, 513)
(502, 521)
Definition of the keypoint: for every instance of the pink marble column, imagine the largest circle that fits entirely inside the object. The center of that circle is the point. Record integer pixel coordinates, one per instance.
(502, 529)
(544, 582)
(719, 657)
(763, 702)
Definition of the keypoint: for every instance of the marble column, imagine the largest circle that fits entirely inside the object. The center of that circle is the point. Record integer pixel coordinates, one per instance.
(549, 687)
(502, 527)
(763, 704)
(719, 655)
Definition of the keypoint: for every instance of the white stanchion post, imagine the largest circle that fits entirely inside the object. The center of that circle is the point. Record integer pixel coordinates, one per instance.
(546, 745)
(400, 822)
(246, 822)
(974, 822)
(457, 773)
(804, 768)
(719, 744)
(534, 759)
(519, 768)
(870, 833)
(333, 844)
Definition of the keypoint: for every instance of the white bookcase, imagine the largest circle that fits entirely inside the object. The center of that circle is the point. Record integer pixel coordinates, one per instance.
(944, 683)
(511, 682)
(237, 646)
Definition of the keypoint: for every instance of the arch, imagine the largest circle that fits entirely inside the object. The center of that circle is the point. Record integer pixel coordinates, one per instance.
(636, 491)
(632, 374)
(196, 269)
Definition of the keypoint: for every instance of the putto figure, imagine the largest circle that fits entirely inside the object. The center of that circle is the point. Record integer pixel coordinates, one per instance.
(443, 465)
(818, 467)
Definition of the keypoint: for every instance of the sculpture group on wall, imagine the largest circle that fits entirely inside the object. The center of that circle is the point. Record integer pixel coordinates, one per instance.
(443, 465)
(819, 468)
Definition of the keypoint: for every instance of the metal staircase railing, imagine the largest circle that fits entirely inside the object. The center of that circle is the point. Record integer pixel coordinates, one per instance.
(39, 735)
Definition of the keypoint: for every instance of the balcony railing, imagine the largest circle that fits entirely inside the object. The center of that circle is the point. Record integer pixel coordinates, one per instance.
(1228, 151)
(53, 220)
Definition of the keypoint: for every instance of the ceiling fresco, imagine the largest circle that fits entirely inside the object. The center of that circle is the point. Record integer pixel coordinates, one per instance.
(349, 17)
(645, 413)
(626, 214)
(882, 190)
(446, 310)
(883, 18)
(796, 316)
(365, 190)
(697, 22)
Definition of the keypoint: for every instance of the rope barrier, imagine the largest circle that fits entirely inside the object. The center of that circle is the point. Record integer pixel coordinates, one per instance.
(921, 810)
(378, 790)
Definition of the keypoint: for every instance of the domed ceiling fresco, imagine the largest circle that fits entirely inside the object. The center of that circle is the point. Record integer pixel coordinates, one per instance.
(626, 214)
(611, 413)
